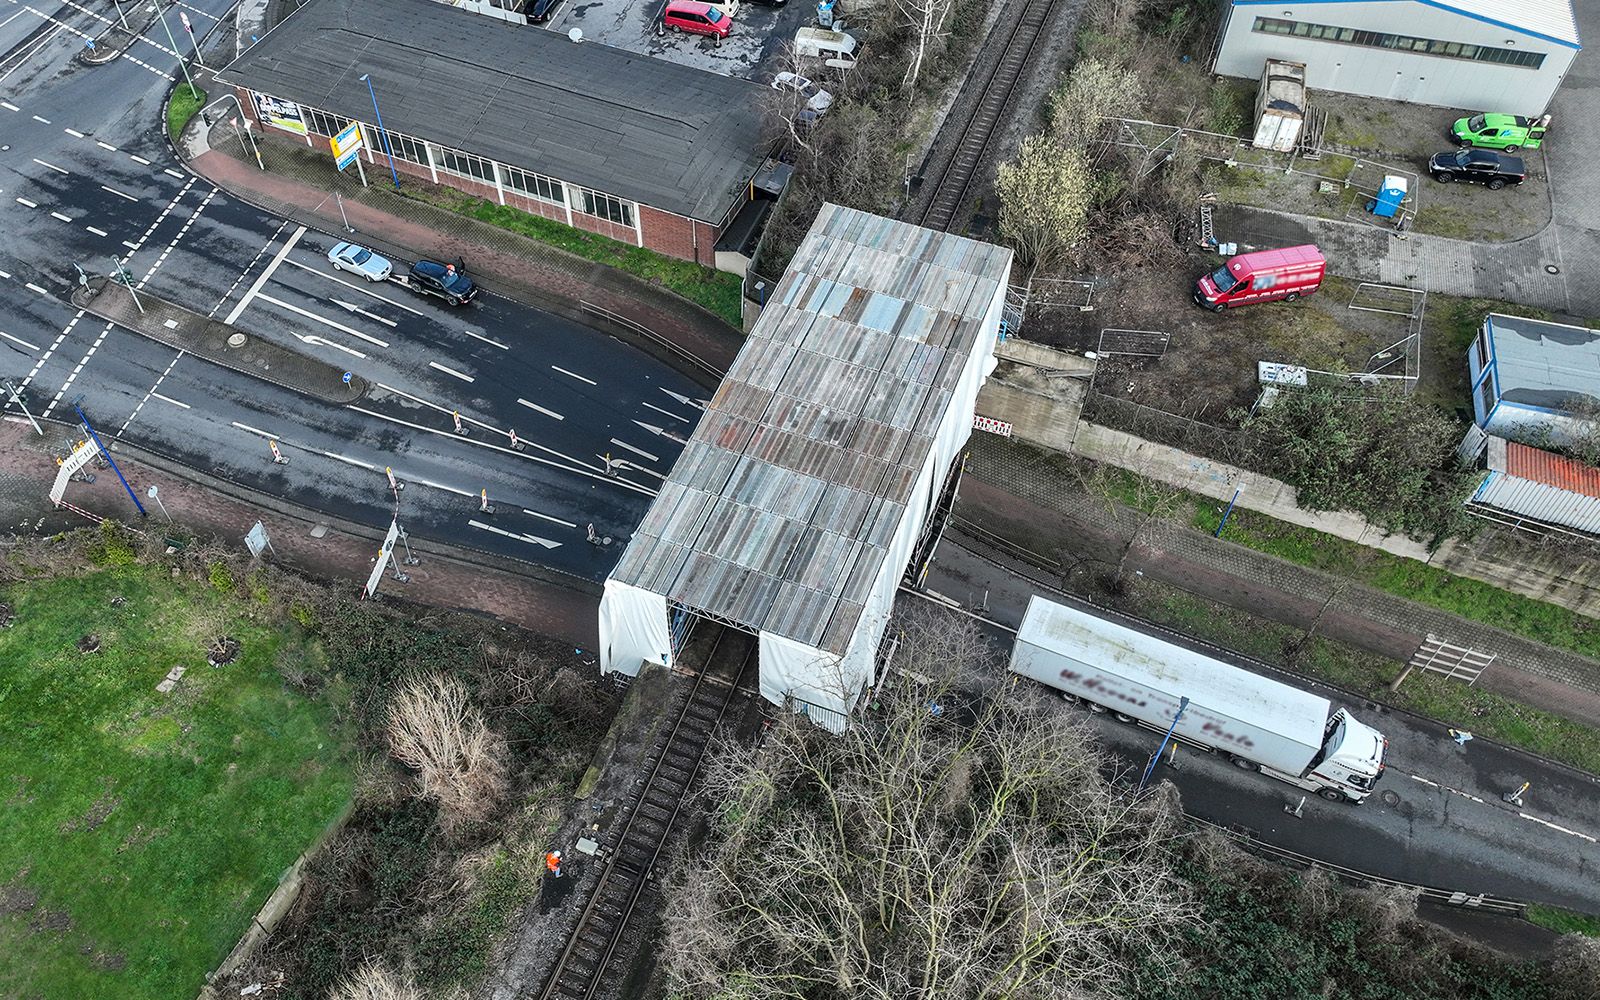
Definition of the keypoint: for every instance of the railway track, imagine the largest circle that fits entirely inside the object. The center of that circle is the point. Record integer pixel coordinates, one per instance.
(631, 859)
(951, 187)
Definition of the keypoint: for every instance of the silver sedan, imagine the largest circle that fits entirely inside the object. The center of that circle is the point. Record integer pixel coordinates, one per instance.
(349, 257)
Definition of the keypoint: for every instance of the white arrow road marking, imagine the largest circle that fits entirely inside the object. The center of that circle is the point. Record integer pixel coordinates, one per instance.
(636, 451)
(321, 342)
(357, 309)
(698, 404)
(660, 431)
(666, 413)
(575, 375)
(321, 319)
(536, 406)
(547, 517)
(530, 539)
(451, 371)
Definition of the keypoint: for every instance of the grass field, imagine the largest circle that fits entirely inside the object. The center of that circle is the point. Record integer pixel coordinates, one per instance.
(143, 830)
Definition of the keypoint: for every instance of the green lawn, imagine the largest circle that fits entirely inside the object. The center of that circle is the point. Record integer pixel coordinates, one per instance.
(143, 830)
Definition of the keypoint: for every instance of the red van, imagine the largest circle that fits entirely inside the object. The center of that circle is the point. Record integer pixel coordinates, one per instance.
(1262, 277)
(695, 18)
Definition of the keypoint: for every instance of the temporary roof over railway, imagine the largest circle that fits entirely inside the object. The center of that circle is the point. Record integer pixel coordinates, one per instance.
(795, 506)
(651, 131)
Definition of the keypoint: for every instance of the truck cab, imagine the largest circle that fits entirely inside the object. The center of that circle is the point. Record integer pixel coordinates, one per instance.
(1351, 760)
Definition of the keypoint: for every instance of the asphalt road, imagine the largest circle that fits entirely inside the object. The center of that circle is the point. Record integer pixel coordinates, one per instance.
(85, 176)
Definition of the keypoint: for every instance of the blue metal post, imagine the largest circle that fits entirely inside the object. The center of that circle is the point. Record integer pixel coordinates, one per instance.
(1183, 704)
(381, 130)
(113, 461)
(1226, 513)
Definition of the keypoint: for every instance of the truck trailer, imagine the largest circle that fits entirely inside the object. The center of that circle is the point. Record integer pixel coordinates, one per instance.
(1257, 723)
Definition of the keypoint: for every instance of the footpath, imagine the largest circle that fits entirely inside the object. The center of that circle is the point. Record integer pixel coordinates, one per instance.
(1013, 498)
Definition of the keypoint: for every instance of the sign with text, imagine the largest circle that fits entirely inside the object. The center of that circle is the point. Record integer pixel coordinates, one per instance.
(1274, 373)
(279, 114)
(347, 144)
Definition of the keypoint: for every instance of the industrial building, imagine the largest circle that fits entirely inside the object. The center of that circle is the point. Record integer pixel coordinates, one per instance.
(1477, 55)
(644, 151)
(795, 508)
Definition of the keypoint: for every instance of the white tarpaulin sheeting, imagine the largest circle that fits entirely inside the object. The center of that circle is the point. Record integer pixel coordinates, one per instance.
(633, 629)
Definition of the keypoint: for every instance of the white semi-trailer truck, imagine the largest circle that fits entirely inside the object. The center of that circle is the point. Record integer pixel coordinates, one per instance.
(1257, 723)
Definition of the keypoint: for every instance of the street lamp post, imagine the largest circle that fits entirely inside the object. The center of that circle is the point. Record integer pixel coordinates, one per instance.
(184, 17)
(1183, 706)
(381, 130)
(120, 16)
(183, 63)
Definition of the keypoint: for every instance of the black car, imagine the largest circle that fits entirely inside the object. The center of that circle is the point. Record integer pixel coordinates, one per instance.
(443, 280)
(769, 3)
(1480, 166)
(541, 11)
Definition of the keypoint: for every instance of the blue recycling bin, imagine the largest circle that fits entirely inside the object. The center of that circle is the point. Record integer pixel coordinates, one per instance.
(1390, 197)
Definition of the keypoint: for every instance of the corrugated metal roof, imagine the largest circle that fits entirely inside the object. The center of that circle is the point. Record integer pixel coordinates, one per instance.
(1553, 19)
(1544, 364)
(779, 512)
(1542, 486)
(651, 131)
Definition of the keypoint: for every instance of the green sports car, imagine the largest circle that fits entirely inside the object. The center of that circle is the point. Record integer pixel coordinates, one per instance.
(1507, 132)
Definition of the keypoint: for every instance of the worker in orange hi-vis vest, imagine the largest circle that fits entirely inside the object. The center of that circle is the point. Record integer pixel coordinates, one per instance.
(552, 861)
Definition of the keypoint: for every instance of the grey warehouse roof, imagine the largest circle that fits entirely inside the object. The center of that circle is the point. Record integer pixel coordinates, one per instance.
(670, 136)
(1544, 364)
(1553, 19)
(778, 513)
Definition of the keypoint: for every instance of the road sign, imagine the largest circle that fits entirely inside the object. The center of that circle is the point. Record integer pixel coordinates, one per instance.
(347, 144)
(346, 378)
(257, 540)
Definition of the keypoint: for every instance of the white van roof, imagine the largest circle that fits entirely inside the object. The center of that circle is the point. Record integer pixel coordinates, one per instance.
(821, 38)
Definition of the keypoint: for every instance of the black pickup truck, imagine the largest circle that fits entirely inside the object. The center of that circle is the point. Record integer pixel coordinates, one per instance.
(1481, 166)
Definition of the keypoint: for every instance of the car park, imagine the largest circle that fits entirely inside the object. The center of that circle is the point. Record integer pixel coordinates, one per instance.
(350, 257)
(1478, 166)
(695, 18)
(442, 281)
(1507, 132)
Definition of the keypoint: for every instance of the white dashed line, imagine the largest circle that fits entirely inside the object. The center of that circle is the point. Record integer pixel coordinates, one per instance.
(358, 463)
(451, 371)
(536, 406)
(74, 133)
(30, 204)
(486, 340)
(36, 288)
(97, 232)
(169, 399)
(138, 159)
(254, 430)
(547, 517)
(49, 166)
(63, 218)
(636, 451)
(1559, 829)
(440, 486)
(575, 375)
(172, 173)
(38, 119)
(105, 145)
(114, 191)
(9, 106)
(16, 340)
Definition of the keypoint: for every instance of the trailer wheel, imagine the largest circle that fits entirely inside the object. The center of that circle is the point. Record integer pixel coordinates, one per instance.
(1291, 297)
(1126, 720)
(1332, 794)
(1245, 764)
(1097, 709)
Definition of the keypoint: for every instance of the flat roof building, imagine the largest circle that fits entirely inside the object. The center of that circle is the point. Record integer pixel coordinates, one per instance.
(639, 149)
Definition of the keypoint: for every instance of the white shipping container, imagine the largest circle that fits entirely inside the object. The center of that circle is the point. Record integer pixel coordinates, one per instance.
(1280, 105)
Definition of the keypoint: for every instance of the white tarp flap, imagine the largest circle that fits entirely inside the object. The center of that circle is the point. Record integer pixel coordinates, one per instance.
(791, 669)
(633, 629)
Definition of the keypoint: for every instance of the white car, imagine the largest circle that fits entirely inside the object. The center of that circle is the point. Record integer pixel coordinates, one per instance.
(817, 101)
(349, 257)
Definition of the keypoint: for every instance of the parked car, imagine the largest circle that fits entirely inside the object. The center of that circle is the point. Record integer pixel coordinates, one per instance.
(349, 257)
(542, 10)
(818, 101)
(1507, 132)
(1263, 276)
(1479, 166)
(442, 280)
(695, 18)
(769, 3)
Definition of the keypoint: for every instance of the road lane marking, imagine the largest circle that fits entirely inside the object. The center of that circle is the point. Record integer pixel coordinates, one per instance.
(169, 399)
(256, 430)
(74, 133)
(530, 539)
(97, 232)
(321, 319)
(575, 375)
(9, 106)
(667, 412)
(15, 340)
(36, 288)
(38, 119)
(636, 451)
(1558, 829)
(105, 145)
(63, 218)
(173, 173)
(265, 274)
(486, 340)
(364, 287)
(536, 406)
(138, 159)
(698, 404)
(24, 201)
(50, 166)
(315, 341)
(547, 517)
(358, 463)
(440, 486)
(130, 246)
(357, 309)
(119, 194)
(451, 371)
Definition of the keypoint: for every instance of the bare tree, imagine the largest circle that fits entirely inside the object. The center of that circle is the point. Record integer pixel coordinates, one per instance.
(926, 19)
(959, 842)
(1044, 199)
(434, 728)
(1091, 91)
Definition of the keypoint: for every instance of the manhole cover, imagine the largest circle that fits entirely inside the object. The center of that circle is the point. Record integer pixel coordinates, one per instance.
(1552, 269)
(237, 340)
(261, 362)
(1391, 798)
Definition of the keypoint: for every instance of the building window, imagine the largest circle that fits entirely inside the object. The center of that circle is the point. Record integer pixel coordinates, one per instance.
(1486, 397)
(605, 206)
(323, 123)
(1483, 351)
(452, 161)
(1405, 43)
(533, 185)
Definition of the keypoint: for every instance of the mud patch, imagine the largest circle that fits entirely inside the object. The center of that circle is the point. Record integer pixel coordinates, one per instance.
(16, 897)
(89, 644)
(53, 921)
(97, 814)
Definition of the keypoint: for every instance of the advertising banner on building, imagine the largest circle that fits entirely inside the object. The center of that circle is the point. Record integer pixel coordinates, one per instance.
(347, 144)
(280, 114)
